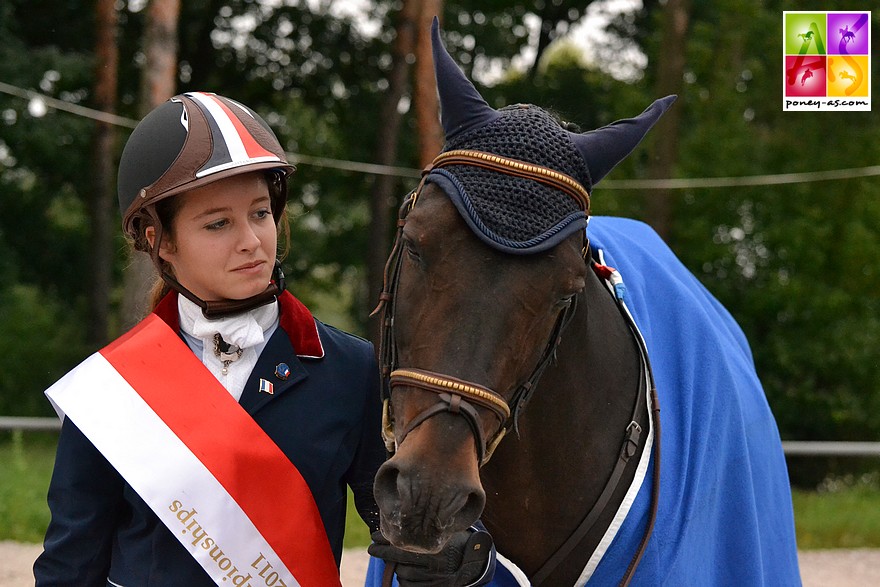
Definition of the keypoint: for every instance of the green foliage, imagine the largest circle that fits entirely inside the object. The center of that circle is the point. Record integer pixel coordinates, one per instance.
(48, 341)
(44, 153)
(357, 534)
(843, 513)
(25, 470)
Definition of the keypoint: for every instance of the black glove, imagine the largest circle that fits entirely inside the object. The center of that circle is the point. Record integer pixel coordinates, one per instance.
(466, 560)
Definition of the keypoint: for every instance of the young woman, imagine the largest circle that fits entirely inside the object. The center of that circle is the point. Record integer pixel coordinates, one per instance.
(213, 443)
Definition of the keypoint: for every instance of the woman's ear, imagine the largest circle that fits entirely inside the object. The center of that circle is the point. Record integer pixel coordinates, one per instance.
(165, 246)
(150, 235)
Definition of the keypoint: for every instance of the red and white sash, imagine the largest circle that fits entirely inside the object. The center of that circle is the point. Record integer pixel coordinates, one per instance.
(203, 465)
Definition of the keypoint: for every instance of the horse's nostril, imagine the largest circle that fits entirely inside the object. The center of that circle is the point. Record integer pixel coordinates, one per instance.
(385, 484)
(473, 507)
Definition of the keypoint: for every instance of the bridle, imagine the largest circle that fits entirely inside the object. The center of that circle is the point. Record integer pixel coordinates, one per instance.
(463, 398)
(455, 395)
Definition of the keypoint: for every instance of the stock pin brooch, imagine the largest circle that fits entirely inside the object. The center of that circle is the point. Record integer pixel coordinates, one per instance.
(227, 353)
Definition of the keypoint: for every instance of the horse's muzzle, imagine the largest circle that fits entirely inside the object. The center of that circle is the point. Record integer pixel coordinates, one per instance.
(424, 500)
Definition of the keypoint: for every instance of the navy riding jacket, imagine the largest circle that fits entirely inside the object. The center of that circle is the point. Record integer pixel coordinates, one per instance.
(325, 417)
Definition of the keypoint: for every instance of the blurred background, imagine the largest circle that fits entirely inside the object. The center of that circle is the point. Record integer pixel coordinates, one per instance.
(776, 212)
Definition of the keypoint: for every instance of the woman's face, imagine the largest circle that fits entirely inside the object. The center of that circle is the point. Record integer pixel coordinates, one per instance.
(223, 240)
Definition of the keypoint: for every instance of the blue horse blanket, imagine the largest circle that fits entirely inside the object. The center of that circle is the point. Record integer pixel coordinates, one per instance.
(725, 514)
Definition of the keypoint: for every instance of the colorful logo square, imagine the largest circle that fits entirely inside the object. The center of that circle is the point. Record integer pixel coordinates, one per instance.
(848, 75)
(805, 33)
(826, 60)
(805, 76)
(848, 33)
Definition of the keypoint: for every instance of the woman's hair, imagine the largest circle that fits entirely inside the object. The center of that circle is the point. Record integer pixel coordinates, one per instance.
(166, 213)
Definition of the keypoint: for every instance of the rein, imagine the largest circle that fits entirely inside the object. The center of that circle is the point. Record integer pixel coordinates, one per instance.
(460, 397)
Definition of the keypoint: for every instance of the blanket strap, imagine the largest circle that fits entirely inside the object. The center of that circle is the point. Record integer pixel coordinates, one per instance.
(655, 492)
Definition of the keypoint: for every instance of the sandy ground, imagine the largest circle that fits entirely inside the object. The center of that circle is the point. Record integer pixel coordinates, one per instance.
(819, 568)
(17, 559)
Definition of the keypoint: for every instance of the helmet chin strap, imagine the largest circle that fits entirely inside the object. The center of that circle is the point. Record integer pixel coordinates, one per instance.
(223, 308)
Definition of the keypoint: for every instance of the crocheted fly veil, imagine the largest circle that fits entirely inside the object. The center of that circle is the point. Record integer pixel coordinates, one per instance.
(507, 211)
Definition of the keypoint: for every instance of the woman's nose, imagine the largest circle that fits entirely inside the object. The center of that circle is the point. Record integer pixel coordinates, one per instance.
(248, 239)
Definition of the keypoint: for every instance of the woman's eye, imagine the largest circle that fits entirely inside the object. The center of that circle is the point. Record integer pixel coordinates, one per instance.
(216, 225)
(263, 213)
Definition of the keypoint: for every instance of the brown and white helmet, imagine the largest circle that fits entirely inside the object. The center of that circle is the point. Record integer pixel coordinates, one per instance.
(192, 140)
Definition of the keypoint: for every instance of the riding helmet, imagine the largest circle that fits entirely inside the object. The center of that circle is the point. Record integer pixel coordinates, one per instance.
(192, 140)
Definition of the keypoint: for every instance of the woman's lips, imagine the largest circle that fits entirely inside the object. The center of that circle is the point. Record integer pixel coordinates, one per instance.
(248, 268)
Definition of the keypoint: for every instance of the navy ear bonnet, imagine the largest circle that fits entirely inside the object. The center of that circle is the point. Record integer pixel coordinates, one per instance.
(516, 214)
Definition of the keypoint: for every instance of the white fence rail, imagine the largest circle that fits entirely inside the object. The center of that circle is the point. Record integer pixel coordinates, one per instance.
(792, 448)
(821, 448)
(39, 424)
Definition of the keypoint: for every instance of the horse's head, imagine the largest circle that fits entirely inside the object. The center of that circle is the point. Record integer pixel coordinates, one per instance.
(489, 260)
(470, 325)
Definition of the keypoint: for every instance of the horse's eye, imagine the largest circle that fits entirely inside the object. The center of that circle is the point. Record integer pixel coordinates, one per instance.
(410, 251)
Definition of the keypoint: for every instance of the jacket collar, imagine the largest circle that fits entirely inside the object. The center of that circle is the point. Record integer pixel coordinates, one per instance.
(295, 319)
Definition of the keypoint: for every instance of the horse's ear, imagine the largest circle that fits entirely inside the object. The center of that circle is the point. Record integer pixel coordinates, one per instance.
(461, 105)
(605, 147)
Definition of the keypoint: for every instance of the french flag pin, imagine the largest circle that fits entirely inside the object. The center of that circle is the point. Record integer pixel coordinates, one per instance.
(267, 387)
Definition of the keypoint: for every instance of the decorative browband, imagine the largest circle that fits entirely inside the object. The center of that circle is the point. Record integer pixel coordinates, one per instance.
(545, 175)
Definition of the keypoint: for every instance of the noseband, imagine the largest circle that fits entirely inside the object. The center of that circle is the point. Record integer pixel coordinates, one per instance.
(452, 393)
(455, 395)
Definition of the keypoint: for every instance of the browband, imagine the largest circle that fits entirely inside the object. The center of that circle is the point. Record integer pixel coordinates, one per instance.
(545, 175)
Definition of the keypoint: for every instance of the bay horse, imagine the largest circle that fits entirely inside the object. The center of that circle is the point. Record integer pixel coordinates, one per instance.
(528, 367)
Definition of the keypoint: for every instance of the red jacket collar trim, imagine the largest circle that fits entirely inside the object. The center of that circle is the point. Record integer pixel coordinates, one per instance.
(295, 319)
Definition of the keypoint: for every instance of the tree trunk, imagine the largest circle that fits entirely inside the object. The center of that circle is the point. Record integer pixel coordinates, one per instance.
(664, 144)
(382, 198)
(427, 103)
(103, 198)
(158, 83)
(550, 16)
